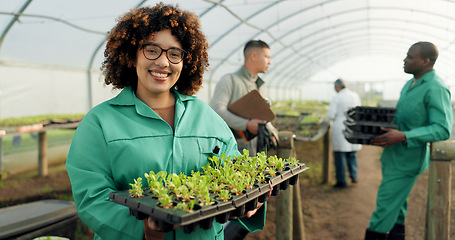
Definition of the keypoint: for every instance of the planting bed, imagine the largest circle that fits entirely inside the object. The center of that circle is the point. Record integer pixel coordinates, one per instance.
(364, 123)
(203, 215)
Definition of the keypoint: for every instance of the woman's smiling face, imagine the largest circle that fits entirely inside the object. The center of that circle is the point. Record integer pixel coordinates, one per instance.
(156, 77)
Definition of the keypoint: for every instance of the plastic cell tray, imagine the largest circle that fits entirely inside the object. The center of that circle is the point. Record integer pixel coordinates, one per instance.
(203, 216)
(375, 114)
(368, 127)
(358, 137)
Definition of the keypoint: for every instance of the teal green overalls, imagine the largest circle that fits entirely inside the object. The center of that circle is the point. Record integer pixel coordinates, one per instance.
(424, 114)
(121, 139)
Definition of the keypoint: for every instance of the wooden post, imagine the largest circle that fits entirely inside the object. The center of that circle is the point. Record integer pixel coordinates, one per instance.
(284, 206)
(284, 219)
(439, 191)
(298, 232)
(327, 156)
(42, 154)
(1, 159)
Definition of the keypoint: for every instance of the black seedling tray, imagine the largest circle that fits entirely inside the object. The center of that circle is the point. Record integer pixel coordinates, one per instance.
(375, 114)
(368, 127)
(364, 123)
(358, 137)
(203, 216)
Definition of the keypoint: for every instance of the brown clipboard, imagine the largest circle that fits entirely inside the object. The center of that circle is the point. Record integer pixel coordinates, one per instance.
(252, 105)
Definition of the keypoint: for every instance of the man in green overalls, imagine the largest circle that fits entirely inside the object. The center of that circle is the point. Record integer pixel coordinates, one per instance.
(424, 114)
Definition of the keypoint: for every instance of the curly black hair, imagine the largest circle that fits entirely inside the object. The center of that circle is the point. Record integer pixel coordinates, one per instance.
(136, 26)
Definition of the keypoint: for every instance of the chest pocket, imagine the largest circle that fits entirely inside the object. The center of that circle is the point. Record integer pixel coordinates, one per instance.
(412, 113)
(193, 153)
(209, 147)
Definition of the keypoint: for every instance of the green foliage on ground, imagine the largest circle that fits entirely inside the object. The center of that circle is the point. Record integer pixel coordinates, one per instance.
(29, 120)
(300, 117)
(29, 142)
(290, 108)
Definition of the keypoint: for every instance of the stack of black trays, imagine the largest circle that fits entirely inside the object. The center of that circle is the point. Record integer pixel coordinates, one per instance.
(364, 123)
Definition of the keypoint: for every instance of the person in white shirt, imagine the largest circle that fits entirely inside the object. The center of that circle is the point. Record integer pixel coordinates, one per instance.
(344, 152)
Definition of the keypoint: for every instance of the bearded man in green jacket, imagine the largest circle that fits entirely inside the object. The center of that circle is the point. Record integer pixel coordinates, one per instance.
(424, 115)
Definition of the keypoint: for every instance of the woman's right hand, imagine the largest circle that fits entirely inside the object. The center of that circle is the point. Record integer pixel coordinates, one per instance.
(152, 230)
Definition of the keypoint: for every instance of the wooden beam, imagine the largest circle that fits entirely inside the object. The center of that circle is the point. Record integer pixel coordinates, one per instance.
(284, 208)
(298, 230)
(327, 156)
(443, 150)
(439, 191)
(42, 154)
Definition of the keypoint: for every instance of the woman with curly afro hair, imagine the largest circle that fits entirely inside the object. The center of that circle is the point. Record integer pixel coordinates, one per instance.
(157, 56)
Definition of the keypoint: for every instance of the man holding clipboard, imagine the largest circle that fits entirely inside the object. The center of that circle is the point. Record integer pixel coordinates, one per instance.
(237, 98)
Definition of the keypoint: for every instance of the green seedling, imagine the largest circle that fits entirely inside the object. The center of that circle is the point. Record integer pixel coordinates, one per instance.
(293, 162)
(224, 196)
(260, 178)
(184, 193)
(280, 165)
(160, 192)
(272, 172)
(166, 201)
(217, 187)
(273, 161)
(153, 178)
(249, 181)
(186, 206)
(205, 200)
(136, 188)
(173, 181)
(239, 187)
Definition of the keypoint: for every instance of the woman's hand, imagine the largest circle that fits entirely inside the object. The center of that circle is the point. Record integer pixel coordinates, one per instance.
(152, 230)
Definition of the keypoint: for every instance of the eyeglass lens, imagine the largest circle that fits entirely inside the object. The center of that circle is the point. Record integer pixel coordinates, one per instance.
(152, 52)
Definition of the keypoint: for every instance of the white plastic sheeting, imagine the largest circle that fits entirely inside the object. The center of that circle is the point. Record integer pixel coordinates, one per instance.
(35, 91)
(49, 48)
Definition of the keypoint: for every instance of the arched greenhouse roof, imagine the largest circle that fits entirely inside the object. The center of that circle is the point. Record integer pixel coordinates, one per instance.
(307, 38)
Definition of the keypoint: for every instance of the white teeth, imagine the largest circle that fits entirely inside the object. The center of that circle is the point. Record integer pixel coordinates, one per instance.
(161, 75)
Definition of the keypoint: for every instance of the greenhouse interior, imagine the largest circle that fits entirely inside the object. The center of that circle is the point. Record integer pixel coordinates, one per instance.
(51, 56)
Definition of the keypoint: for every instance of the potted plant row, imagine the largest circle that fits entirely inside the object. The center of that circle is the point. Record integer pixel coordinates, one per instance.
(228, 186)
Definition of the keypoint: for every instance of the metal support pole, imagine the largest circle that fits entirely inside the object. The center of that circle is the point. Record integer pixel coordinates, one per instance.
(439, 191)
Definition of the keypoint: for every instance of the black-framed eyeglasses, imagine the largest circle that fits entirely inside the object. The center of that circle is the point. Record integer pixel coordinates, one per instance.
(152, 52)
